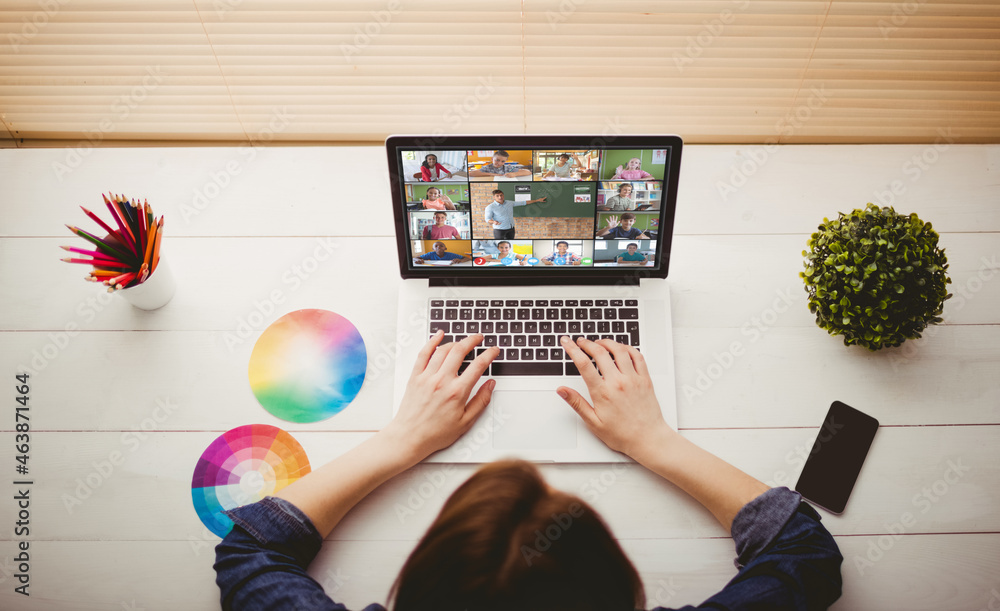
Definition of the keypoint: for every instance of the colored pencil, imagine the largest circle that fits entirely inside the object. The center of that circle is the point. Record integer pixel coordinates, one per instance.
(84, 251)
(144, 223)
(98, 220)
(120, 217)
(122, 279)
(156, 247)
(148, 255)
(126, 256)
(100, 244)
(98, 262)
(101, 257)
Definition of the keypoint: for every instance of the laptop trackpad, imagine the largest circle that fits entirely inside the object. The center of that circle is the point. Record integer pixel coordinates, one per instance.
(528, 420)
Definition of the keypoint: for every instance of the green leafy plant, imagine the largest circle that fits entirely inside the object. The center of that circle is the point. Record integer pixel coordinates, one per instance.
(876, 277)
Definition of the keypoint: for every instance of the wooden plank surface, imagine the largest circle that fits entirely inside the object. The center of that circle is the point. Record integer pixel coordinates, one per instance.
(125, 401)
(724, 189)
(917, 573)
(716, 281)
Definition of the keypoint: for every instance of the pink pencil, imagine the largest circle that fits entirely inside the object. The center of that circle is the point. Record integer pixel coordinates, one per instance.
(98, 262)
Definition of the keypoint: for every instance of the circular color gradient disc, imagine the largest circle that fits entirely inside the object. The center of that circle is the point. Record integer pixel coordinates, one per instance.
(308, 365)
(243, 466)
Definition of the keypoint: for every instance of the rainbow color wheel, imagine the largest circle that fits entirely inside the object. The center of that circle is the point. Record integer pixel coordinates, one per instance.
(308, 365)
(242, 466)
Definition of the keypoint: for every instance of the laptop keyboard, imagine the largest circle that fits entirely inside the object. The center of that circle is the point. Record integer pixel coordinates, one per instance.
(527, 331)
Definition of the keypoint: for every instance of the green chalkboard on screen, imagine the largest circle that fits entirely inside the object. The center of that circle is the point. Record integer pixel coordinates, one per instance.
(563, 198)
(611, 159)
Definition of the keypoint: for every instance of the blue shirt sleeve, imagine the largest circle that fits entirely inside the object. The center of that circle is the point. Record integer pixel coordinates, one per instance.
(786, 559)
(261, 564)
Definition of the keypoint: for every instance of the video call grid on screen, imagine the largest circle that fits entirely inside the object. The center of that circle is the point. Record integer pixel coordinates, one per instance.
(571, 208)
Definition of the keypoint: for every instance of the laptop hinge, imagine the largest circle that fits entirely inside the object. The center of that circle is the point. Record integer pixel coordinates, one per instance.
(579, 281)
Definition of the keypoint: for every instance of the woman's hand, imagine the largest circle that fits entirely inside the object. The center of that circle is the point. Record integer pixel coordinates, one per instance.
(436, 409)
(625, 414)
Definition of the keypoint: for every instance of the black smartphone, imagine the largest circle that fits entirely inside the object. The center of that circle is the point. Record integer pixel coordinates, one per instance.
(835, 461)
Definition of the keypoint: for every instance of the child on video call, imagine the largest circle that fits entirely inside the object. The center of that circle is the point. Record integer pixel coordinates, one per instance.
(431, 170)
(632, 171)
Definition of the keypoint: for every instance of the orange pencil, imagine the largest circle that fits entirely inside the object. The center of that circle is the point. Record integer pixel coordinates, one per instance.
(150, 240)
(156, 247)
(104, 273)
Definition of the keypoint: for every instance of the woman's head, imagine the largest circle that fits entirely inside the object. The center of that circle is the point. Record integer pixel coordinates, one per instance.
(505, 540)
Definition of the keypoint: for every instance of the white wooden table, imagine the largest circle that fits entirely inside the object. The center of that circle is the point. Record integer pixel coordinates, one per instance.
(123, 401)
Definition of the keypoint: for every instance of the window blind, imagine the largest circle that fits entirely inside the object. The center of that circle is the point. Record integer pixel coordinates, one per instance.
(797, 71)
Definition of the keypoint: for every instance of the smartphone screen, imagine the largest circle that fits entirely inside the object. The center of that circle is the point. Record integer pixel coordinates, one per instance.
(835, 461)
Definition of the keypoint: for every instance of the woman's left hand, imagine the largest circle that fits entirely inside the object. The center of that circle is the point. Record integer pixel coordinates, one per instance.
(436, 409)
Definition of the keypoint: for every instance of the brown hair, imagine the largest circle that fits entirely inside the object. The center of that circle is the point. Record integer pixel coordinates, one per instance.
(627, 216)
(505, 540)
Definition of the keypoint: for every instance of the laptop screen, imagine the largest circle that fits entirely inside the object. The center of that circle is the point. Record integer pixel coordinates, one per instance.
(570, 206)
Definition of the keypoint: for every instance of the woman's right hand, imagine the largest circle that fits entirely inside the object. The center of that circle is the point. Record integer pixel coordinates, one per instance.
(625, 414)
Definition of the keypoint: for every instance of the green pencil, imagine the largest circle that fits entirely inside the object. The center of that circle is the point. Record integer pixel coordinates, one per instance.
(103, 246)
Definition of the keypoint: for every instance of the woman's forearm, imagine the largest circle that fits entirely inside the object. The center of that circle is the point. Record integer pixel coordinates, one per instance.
(719, 486)
(327, 494)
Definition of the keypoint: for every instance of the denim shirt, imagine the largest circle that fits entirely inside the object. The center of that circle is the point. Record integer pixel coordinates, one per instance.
(786, 559)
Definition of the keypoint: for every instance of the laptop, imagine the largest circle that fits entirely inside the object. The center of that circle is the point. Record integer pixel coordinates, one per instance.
(572, 237)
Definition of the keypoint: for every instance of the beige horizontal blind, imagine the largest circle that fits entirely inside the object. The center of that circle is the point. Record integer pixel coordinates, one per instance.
(713, 71)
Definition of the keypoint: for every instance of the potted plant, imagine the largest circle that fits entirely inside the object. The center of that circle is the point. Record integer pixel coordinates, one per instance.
(876, 277)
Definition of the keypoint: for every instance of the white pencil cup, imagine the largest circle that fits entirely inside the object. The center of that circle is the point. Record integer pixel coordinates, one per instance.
(155, 292)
